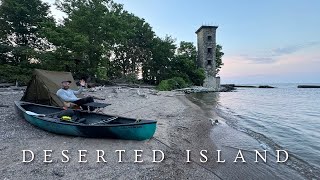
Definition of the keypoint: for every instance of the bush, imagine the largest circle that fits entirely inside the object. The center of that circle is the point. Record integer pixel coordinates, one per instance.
(173, 83)
(130, 78)
(183, 75)
(11, 74)
(198, 76)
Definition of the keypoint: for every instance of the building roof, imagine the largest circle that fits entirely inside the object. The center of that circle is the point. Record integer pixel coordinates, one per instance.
(208, 27)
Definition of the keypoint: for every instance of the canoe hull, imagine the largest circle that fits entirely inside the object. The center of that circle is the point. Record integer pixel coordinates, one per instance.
(138, 131)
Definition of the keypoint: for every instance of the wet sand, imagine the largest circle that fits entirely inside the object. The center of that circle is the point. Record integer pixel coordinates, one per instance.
(183, 124)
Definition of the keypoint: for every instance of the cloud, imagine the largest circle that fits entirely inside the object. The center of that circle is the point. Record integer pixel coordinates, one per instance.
(294, 48)
(274, 55)
(260, 59)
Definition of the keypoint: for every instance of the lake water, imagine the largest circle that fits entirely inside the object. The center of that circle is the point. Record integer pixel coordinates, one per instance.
(285, 117)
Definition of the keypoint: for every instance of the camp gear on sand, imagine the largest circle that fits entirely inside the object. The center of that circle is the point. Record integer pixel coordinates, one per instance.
(44, 85)
(41, 107)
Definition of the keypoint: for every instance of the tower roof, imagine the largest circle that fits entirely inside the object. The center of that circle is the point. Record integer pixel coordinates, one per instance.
(207, 27)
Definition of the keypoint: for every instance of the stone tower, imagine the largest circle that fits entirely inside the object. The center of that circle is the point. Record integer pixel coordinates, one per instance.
(206, 37)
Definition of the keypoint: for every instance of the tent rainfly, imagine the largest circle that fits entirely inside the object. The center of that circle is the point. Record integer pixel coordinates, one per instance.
(43, 86)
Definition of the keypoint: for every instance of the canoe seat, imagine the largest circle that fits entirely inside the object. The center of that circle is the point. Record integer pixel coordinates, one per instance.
(105, 121)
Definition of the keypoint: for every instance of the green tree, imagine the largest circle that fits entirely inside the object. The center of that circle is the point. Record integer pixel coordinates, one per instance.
(99, 38)
(157, 68)
(184, 64)
(133, 45)
(20, 26)
(81, 36)
(21, 40)
(219, 55)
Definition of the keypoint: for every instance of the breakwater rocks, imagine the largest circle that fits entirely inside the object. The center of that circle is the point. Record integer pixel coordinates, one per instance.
(227, 87)
(195, 89)
(223, 88)
(309, 86)
(200, 89)
(261, 86)
(234, 86)
(265, 86)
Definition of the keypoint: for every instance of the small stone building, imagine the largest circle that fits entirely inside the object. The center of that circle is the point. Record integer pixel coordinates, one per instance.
(206, 38)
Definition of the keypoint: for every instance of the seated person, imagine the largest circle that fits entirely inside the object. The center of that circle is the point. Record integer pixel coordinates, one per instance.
(69, 95)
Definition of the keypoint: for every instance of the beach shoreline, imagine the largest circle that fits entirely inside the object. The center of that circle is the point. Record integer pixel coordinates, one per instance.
(183, 124)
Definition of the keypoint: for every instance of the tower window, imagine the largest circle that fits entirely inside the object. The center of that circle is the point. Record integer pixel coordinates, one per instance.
(209, 38)
(209, 50)
(209, 62)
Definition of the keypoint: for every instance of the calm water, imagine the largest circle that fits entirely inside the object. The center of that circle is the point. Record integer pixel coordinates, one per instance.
(286, 117)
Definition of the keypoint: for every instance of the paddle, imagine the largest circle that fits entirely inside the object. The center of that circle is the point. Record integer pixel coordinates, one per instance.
(35, 114)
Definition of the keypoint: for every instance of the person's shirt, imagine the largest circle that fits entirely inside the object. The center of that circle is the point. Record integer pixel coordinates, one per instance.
(69, 95)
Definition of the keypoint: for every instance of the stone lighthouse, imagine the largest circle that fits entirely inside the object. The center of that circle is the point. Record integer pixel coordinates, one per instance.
(206, 38)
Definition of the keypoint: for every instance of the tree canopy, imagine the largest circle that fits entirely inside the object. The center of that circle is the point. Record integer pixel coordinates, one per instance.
(97, 39)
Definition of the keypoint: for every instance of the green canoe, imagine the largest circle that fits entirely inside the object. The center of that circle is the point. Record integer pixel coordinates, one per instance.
(85, 124)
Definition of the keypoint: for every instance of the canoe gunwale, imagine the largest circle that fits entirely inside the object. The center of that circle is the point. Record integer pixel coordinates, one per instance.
(19, 103)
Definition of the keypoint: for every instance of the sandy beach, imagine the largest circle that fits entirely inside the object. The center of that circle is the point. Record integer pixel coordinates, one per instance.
(183, 124)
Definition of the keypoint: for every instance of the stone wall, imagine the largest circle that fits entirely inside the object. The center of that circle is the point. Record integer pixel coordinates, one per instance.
(206, 42)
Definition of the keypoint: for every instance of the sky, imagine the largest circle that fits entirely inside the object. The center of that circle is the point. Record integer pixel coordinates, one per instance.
(274, 41)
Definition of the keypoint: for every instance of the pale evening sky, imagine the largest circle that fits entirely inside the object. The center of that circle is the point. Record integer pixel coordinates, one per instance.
(263, 41)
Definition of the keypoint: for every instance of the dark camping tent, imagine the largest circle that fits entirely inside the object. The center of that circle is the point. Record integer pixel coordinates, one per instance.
(43, 87)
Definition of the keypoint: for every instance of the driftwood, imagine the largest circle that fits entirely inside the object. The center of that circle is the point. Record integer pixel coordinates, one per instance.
(142, 94)
(2, 105)
(95, 97)
(98, 98)
(18, 88)
(6, 85)
(116, 90)
(154, 92)
(137, 86)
